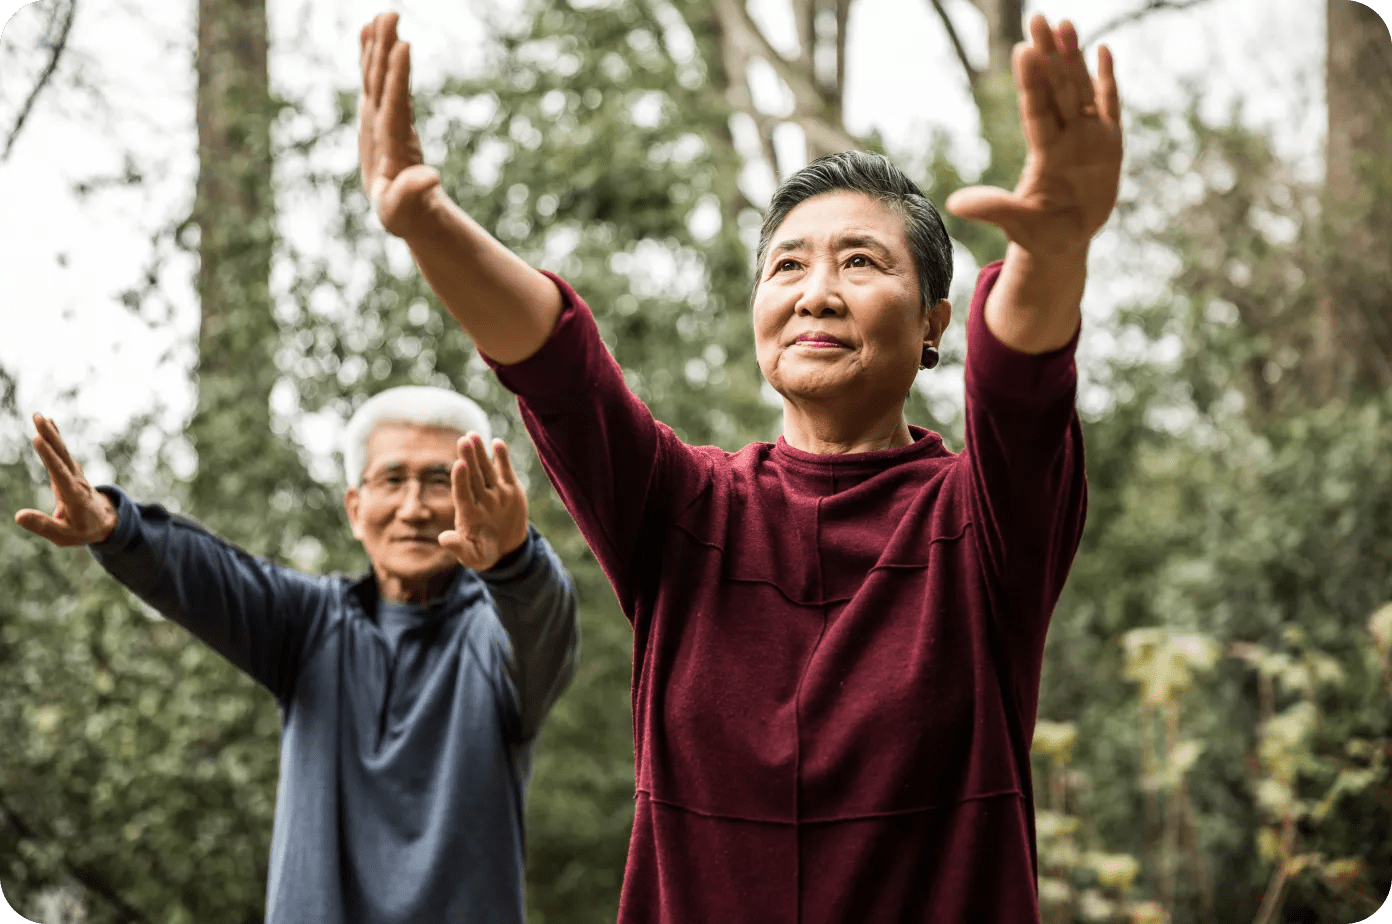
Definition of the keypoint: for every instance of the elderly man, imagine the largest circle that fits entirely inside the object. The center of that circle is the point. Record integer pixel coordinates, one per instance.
(410, 697)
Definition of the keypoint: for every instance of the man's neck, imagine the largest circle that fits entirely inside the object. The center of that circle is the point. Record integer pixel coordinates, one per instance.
(414, 592)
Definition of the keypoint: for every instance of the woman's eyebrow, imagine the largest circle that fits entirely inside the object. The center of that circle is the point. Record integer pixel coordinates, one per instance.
(848, 241)
(796, 243)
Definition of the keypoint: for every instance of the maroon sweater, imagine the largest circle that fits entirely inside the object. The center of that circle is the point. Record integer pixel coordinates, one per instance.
(836, 657)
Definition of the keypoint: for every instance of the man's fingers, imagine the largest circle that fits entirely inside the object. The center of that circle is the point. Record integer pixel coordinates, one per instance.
(461, 486)
(49, 430)
(63, 479)
(46, 527)
(505, 470)
(482, 465)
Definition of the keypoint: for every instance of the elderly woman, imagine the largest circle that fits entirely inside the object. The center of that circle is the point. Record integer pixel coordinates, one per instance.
(838, 636)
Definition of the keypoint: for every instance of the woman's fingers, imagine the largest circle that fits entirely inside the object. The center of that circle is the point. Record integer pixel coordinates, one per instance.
(1108, 100)
(380, 45)
(990, 204)
(396, 94)
(1075, 70)
(1054, 58)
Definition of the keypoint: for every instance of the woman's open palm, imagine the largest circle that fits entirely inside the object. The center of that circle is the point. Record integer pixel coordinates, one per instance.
(394, 174)
(1072, 128)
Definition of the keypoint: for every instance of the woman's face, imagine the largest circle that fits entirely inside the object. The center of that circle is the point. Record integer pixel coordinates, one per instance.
(837, 316)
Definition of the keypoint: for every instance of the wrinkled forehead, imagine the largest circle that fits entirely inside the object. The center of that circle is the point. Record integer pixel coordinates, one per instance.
(401, 444)
(840, 218)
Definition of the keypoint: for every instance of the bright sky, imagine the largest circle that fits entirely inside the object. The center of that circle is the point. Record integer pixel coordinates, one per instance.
(78, 354)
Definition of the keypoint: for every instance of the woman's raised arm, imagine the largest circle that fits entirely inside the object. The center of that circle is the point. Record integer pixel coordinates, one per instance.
(506, 306)
(1072, 128)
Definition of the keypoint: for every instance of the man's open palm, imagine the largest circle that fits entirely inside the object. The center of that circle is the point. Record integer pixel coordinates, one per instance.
(81, 515)
(490, 507)
(394, 174)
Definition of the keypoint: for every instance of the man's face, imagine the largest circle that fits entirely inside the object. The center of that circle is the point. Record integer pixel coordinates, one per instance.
(402, 506)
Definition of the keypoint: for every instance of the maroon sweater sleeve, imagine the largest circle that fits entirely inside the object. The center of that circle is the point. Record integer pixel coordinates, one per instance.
(1025, 463)
(616, 468)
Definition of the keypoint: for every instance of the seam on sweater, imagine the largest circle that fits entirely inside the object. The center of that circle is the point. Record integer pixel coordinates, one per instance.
(903, 566)
(917, 810)
(832, 819)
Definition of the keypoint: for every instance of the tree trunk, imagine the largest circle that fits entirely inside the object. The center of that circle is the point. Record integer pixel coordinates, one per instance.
(1352, 350)
(235, 213)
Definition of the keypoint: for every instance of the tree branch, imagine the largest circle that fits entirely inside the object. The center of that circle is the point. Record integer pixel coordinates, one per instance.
(56, 52)
(736, 21)
(1126, 19)
(973, 75)
(743, 40)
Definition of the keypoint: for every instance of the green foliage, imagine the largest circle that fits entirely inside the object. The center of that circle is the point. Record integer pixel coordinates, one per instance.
(1218, 669)
(1233, 555)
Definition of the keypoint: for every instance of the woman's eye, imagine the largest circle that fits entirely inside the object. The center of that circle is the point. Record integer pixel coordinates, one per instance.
(860, 260)
(785, 265)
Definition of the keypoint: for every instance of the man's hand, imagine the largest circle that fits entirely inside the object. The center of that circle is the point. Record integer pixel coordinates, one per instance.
(1072, 127)
(83, 515)
(394, 174)
(490, 507)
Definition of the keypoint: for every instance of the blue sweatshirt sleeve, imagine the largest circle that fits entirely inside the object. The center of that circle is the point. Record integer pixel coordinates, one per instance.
(535, 598)
(256, 614)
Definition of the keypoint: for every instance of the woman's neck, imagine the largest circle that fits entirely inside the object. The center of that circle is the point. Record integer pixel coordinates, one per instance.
(812, 428)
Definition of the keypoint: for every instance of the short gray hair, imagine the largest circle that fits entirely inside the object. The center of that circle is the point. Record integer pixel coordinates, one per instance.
(875, 175)
(408, 404)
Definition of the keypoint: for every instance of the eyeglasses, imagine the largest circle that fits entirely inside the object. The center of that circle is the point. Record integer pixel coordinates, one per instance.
(394, 483)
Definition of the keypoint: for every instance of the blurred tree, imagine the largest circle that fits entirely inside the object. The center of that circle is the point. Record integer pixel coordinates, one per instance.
(1352, 337)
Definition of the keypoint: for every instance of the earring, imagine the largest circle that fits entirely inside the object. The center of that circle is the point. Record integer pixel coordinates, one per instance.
(930, 357)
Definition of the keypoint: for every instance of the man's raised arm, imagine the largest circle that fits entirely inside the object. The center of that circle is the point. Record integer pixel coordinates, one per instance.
(506, 307)
(256, 614)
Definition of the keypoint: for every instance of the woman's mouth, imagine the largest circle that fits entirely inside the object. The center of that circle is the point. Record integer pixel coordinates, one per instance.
(819, 342)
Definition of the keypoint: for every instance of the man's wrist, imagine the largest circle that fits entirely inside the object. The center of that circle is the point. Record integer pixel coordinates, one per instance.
(110, 519)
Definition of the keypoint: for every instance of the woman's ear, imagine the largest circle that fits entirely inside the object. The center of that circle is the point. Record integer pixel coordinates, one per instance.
(939, 316)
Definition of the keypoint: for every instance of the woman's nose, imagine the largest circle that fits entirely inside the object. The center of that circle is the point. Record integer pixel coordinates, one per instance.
(820, 296)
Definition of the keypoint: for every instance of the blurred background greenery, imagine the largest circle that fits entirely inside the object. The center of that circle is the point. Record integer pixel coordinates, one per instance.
(1215, 728)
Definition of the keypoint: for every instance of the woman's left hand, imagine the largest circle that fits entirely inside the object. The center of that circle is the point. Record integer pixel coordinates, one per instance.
(1072, 127)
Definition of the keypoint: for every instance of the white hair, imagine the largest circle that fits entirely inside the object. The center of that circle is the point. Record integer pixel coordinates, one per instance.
(409, 404)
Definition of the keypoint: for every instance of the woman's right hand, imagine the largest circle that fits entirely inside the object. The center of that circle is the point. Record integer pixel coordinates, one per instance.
(401, 187)
(82, 514)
